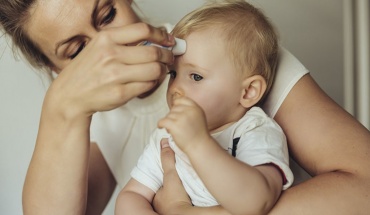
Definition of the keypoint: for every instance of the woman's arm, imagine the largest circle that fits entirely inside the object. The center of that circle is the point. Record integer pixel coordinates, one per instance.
(332, 146)
(101, 182)
(57, 175)
(100, 78)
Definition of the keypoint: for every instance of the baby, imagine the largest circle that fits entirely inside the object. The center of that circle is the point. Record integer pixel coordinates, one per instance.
(228, 151)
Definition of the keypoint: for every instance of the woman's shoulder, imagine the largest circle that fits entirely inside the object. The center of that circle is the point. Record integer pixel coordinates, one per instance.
(289, 71)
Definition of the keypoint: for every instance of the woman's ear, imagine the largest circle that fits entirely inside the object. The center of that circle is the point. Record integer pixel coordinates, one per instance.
(253, 89)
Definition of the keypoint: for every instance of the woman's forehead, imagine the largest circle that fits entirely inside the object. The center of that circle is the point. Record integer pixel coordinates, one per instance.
(53, 20)
(61, 10)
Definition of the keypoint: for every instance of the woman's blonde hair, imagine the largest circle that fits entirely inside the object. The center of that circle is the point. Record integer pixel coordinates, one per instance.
(249, 36)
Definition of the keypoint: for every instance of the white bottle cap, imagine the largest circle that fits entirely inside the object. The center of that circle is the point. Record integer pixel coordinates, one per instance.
(180, 47)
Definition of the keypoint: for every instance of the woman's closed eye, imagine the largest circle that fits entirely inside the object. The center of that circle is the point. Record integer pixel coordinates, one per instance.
(77, 49)
(108, 17)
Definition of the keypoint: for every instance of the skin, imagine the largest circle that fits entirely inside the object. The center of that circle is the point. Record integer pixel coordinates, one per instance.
(98, 71)
(194, 96)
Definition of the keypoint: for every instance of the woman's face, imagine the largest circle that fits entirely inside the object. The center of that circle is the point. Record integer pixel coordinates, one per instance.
(62, 28)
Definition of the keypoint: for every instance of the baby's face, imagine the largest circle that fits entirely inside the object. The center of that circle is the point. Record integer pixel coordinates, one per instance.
(206, 74)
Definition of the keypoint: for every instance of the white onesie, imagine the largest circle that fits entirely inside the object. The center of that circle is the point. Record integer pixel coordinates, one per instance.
(255, 139)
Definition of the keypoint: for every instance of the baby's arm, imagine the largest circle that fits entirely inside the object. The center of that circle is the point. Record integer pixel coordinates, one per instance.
(170, 198)
(135, 198)
(237, 186)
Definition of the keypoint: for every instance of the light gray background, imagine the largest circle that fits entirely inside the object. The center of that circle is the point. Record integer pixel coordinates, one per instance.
(311, 30)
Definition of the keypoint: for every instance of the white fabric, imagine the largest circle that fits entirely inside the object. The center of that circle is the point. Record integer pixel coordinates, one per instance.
(262, 141)
(122, 134)
(289, 71)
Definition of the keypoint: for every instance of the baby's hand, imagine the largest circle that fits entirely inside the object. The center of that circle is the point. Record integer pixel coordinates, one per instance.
(186, 122)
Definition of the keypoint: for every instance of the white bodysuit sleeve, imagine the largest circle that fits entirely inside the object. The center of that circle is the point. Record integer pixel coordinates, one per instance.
(148, 170)
(263, 142)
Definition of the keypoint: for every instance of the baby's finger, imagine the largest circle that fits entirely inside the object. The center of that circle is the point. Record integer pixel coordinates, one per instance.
(183, 101)
(169, 123)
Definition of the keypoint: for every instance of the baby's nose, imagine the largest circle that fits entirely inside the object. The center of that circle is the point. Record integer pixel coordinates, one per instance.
(176, 95)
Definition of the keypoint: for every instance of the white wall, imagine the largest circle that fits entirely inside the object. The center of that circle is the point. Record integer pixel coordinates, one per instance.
(311, 30)
(21, 94)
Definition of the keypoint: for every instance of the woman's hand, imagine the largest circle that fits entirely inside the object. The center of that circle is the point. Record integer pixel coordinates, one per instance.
(172, 197)
(106, 74)
(111, 70)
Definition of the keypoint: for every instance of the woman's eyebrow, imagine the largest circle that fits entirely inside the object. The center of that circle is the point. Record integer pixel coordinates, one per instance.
(94, 14)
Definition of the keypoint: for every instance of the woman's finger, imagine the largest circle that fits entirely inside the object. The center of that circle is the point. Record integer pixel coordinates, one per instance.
(143, 54)
(136, 89)
(118, 95)
(123, 74)
(167, 157)
(132, 34)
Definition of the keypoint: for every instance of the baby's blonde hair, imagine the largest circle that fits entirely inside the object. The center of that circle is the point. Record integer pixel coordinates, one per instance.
(249, 36)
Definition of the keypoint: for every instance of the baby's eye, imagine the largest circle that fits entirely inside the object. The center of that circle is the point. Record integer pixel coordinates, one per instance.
(172, 74)
(196, 77)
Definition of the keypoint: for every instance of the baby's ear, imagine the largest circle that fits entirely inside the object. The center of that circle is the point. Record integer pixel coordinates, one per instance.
(253, 89)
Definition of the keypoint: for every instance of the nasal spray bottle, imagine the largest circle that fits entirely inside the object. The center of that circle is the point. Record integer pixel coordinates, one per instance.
(178, 49)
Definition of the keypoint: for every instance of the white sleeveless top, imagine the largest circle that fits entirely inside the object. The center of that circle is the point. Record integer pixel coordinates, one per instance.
(122, 134)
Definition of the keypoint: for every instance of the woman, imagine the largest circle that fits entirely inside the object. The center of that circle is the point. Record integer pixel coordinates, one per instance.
(89, 43)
